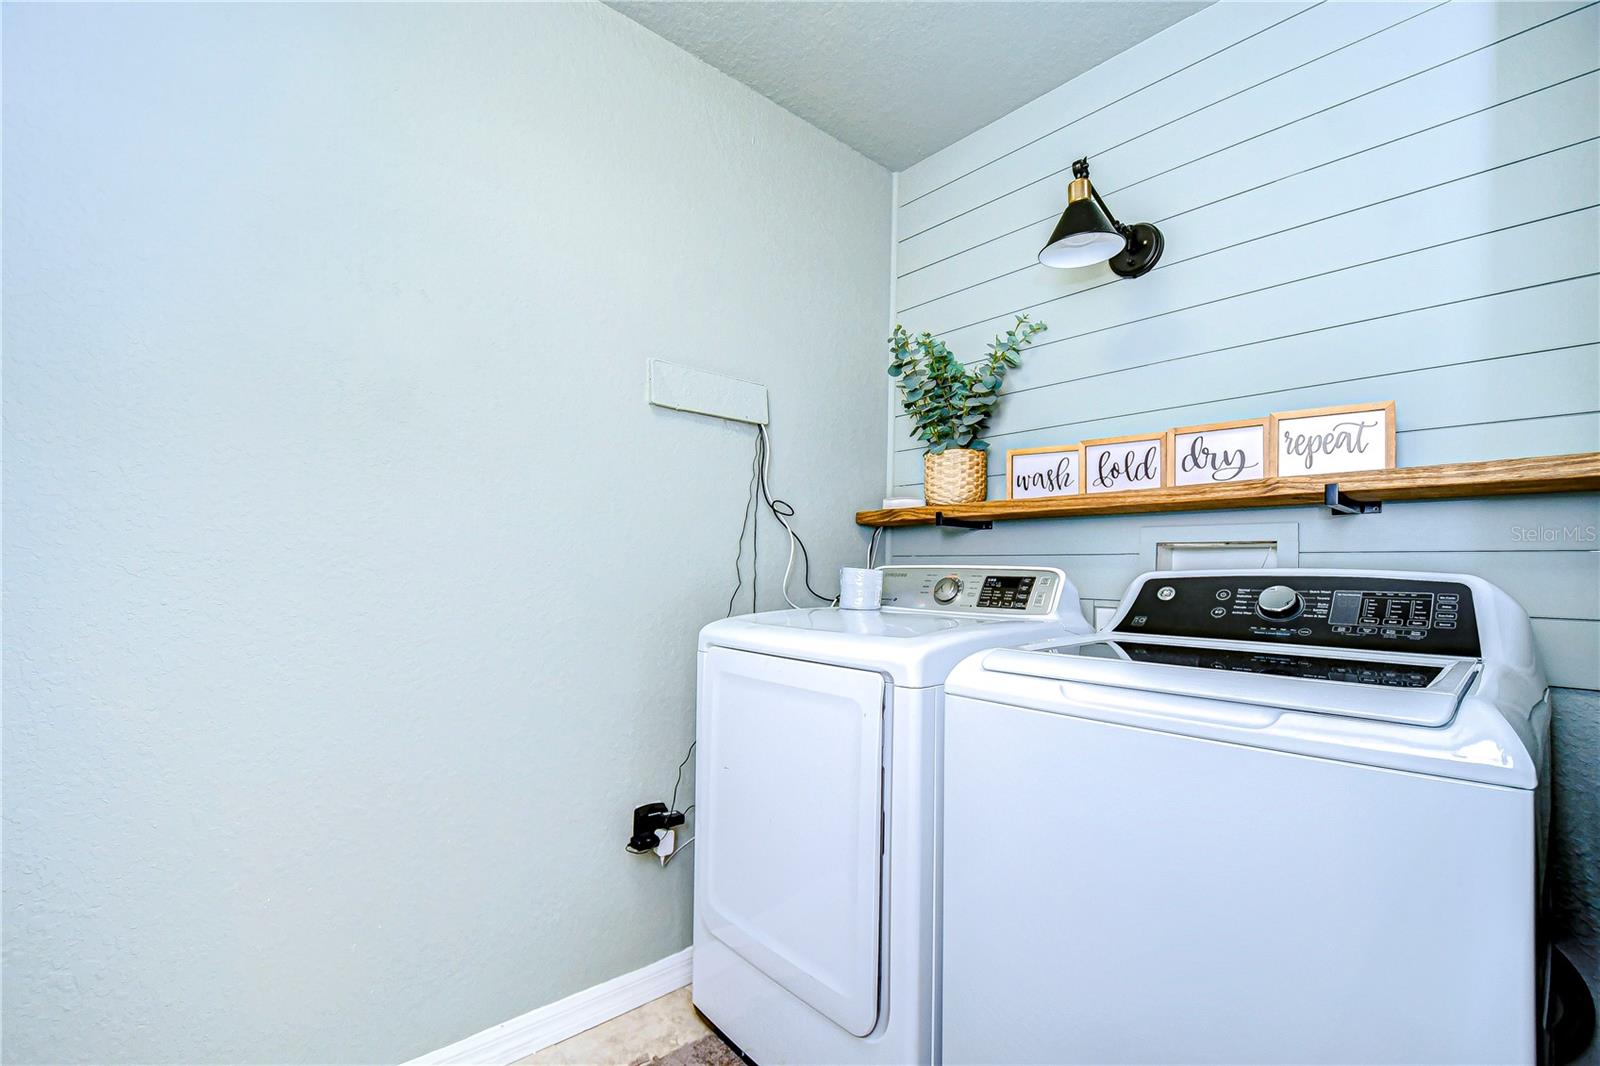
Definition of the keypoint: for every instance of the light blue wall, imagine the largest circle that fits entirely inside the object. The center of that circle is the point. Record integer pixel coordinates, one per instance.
(1361, 201)
(350, 584)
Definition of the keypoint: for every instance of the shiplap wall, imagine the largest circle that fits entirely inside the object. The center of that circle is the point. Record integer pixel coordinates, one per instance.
(1361, 201)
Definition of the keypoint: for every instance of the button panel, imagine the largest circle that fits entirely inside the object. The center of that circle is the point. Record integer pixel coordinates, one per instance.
(972, 590)
(1281, 664)
(1373, 614)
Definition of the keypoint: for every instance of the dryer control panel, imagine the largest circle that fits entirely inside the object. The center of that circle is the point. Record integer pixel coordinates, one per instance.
(1005, 592)
(1340, 611)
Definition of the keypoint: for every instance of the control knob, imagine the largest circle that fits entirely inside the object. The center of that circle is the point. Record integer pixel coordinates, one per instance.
(946, 589)
(1279, 603)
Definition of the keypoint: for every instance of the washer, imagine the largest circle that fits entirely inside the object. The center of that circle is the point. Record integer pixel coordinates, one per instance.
(1267, 816)
(815, 796)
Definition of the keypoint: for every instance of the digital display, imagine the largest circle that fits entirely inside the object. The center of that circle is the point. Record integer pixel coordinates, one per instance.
(1010, 593)
(1352, 671)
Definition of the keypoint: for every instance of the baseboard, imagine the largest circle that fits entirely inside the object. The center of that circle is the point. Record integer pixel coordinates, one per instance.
(538, 1029)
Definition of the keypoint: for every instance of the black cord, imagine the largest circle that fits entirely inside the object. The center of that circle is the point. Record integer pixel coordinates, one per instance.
(782, 509)
(674, 804)
(744, 524)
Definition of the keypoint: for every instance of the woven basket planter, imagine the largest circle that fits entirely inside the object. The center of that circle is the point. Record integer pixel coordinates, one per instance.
(956, 475)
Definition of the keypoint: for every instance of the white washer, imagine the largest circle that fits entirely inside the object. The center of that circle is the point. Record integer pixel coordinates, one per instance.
(1267, 816)
(815, 800)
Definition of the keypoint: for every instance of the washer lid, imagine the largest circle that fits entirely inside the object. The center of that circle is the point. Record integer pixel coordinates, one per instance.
(1415, 690)
(913, 648)
(1453, 727)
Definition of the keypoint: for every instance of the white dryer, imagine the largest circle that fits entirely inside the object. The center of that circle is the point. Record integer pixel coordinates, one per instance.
(815, 800)
(1273, 816)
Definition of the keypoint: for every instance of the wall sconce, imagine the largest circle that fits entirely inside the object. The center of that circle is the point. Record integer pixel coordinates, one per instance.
(1087, 234)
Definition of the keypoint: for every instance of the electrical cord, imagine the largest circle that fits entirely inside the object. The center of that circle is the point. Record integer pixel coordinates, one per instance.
(780, 514)
(676, 852)
(872, 547)
(744, 524)
(667, 861)
(782, 510)
(673, 806)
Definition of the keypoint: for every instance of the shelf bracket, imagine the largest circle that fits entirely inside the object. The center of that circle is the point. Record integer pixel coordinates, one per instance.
(1339, 504)
(939, 519)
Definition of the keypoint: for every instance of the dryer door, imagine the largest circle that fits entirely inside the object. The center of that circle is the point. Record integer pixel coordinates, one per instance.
(788, 791)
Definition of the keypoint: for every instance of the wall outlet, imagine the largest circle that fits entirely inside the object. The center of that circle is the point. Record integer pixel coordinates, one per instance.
(667, 843)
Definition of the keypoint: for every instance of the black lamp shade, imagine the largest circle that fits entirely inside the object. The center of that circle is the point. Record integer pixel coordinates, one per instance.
(1087, 234)
(1083, 237)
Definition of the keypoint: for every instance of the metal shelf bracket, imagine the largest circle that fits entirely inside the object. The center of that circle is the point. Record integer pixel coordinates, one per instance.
(1339, 504)
(939, 519)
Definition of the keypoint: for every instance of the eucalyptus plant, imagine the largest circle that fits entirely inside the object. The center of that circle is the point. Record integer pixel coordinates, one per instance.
(949, 403)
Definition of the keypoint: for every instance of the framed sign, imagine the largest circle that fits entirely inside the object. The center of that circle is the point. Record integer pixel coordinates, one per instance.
(1118, 464)
(1332, 440)
(1035, 472)
(1220, 453)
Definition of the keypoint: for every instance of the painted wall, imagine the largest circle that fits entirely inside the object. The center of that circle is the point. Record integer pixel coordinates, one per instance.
(1361, 201)
(351, 586)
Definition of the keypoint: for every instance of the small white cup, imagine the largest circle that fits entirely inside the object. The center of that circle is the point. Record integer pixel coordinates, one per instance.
(859, 589)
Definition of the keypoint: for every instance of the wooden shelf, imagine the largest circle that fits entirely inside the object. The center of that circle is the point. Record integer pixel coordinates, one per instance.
(1504, 477)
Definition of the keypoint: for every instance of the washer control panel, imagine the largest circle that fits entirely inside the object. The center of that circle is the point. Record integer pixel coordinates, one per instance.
(1008, 592)
(1374, 614)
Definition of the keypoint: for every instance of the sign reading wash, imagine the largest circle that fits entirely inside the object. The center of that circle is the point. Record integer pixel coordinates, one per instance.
(1309, 443)
(1035, 472)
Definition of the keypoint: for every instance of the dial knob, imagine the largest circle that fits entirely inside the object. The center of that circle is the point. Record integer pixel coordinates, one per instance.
(1279, 602)
(946, 589)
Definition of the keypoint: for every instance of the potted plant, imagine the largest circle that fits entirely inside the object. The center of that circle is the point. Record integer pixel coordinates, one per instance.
(950, 405)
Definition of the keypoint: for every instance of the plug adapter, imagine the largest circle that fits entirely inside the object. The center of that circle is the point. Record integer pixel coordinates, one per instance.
(646, 820)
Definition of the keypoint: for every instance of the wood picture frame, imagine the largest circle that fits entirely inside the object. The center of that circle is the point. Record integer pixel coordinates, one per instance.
(1034, 464)
(1131, 463)
(1239, 451)
(1319, 441)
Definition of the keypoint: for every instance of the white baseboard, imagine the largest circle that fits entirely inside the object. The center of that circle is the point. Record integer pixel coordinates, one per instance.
(536, 1030)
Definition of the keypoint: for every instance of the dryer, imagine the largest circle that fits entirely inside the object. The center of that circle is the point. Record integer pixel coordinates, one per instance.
(815, 790)
(1269, 816)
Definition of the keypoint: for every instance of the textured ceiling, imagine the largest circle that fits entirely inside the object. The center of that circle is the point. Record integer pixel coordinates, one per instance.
(899, 80)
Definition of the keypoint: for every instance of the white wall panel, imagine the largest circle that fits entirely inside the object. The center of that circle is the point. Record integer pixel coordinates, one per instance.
(1405, 164)
(1480, 75)
(1251, 65)
(1539, 318)
(1568, 179)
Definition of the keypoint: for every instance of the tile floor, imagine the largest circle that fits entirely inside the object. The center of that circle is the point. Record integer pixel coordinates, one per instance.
(664, 1032)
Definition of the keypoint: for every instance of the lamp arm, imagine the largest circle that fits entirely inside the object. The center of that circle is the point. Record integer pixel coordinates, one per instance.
(1096, 194)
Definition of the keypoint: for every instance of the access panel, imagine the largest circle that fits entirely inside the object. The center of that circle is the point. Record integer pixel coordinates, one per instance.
(789, 794)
